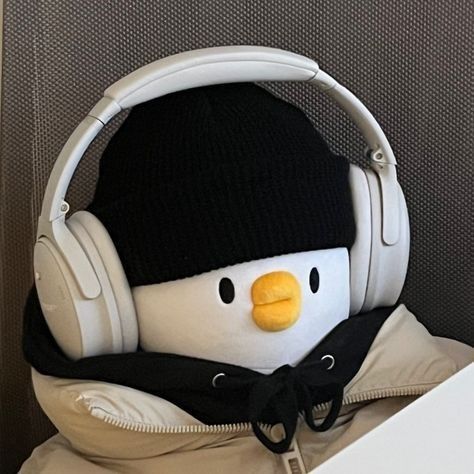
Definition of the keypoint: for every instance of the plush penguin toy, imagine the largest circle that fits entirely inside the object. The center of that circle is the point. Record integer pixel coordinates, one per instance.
(233, 222)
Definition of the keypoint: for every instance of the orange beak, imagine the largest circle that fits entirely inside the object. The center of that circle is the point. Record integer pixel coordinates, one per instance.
(276, 298)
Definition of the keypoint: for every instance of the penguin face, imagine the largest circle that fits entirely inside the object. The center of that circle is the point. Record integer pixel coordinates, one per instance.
(260, 314)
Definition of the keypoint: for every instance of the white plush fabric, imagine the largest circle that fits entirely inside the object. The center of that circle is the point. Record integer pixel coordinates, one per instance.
(188, 317)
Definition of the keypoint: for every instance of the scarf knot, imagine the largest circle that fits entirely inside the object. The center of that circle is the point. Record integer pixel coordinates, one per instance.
(285, 393)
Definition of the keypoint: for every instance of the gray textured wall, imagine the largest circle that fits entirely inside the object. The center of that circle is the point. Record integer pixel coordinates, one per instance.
(411, 62)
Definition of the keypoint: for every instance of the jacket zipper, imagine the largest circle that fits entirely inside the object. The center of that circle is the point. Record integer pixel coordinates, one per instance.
(139, 426)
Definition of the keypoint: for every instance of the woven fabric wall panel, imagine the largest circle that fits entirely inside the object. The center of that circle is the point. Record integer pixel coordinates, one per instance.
(411, 62)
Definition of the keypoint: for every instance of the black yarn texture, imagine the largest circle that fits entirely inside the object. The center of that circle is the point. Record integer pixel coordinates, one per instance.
(213, 176)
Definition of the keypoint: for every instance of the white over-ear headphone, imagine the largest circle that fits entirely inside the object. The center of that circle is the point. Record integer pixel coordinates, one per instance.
(82, 288)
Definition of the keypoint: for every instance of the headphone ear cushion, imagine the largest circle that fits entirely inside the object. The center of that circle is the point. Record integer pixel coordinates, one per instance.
(120, 289)
(360, 250)
(388, 263)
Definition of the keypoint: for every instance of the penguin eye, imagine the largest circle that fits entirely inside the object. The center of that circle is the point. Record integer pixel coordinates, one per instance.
(314, 280)
(226, 290)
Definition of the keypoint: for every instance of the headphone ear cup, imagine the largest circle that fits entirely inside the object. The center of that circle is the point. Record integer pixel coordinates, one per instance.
(85, 327)
(378, 270)
(117, 293)
(388, 263)
(79, 325)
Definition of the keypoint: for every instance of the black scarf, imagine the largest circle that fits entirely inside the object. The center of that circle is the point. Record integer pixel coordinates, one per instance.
(218, 393)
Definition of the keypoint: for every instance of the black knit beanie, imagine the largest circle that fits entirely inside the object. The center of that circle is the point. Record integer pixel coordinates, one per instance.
(210, 177)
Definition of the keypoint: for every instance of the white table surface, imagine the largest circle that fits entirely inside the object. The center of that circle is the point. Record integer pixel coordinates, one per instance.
(432, 435)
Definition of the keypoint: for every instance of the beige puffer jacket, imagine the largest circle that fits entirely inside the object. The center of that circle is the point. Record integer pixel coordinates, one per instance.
(105, 428)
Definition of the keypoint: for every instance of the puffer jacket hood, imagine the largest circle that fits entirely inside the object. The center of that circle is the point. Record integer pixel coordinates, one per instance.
(107, 427)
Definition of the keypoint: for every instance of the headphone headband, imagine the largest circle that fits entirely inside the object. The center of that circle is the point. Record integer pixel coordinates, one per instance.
(194, 69)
